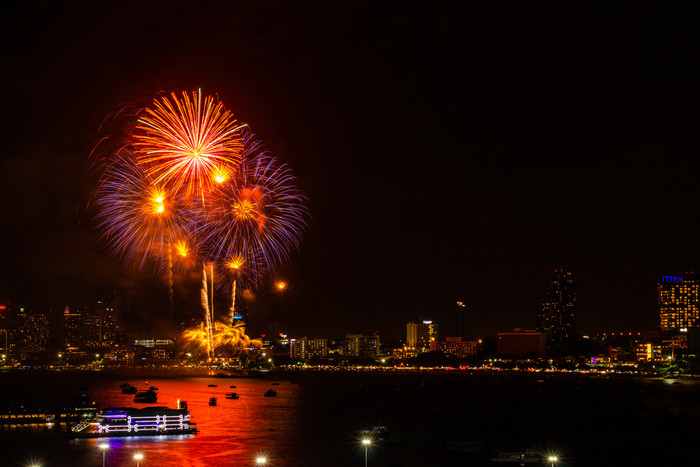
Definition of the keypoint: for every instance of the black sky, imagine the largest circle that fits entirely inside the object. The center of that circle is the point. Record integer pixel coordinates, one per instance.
(450, 151)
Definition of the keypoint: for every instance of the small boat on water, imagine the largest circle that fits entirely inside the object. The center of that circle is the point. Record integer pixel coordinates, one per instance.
(212, 401)
(270, 393)
(147, 397)
(231, 395)
(275, 384)
(211, 385)
(232, 387)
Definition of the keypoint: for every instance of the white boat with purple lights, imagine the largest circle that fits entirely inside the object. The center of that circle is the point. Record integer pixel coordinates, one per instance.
(129, 421)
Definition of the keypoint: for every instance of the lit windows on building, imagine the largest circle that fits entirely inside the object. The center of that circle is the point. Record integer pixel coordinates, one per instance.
(678, 302)
(421, 335)
(362, 344)
(304, 348)
(556, 312)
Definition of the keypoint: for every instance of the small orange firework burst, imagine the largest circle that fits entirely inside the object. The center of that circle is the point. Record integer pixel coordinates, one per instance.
(187, 141)
(235, 262)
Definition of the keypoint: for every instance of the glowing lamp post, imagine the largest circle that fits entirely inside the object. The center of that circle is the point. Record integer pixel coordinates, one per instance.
(138, 457)
(366, 443)
(104, 447)
(260, 460)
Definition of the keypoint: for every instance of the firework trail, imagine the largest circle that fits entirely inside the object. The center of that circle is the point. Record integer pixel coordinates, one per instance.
(208, 314)
(186, 141)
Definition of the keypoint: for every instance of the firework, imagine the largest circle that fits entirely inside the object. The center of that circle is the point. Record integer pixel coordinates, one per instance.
(187, 141)
(223, 337)
(246, 218)
(137, 218)
(256, 218)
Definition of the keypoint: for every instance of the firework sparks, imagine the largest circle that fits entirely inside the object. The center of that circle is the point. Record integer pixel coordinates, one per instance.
(246, 218)
(187, 141)
(137, 218)
(231, 338)
(258, 215)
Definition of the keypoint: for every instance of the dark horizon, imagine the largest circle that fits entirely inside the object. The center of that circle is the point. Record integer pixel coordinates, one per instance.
(449, 152)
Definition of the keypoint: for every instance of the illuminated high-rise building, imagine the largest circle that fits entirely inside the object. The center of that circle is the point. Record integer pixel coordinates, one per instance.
(678, 302)
(556, 312)
(419, 336)
(106, 310)
(72, 329)
(32, 333)
(304, 348)
(362, 344)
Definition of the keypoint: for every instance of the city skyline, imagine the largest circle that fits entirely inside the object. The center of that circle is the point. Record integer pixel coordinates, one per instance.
(449, 153)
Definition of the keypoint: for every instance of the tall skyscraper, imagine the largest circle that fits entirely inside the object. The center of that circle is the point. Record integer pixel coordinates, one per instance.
(73, 329)
(678, 302)
(420, 335)
(556, 312)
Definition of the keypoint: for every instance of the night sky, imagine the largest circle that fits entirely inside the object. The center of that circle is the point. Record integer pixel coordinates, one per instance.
(449, 151)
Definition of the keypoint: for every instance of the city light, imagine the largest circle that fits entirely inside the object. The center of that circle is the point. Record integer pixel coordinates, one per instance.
(366, 443)
(281, 285)
(104, 447)
(138, 457)
(260, 460)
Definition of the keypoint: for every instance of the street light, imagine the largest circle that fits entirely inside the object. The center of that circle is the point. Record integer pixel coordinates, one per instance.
(366, 443)
(260, 460)
(137, 457)
(104, 447)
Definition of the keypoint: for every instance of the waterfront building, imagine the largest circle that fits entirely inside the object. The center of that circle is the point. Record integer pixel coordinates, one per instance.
(678, 302)
(556, 311)
(521, 343)
(362, 344)
(32, 332)
(151, 347)
(404, 352)
(455, 347)
(420, 335)
(108, 312)
(304, 348)
(72, 330)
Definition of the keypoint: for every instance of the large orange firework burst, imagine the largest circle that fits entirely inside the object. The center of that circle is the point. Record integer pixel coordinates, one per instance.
(187, 141)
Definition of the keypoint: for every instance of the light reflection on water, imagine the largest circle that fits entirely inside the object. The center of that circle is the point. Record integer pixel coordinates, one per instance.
(232, 433)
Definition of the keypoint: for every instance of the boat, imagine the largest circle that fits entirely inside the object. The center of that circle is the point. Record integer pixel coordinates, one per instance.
(130, 421)
(212, 401)
(529, 456)
(232, 387)
(211, 385)
(129, 390)
(231, 395)
(147, 397)
(275, 384)
(270, 393)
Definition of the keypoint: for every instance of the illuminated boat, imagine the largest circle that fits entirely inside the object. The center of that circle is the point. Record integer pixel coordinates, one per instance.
(129, 421)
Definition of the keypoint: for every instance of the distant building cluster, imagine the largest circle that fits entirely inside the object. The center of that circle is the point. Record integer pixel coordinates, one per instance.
(77, 335)
(98, 333)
